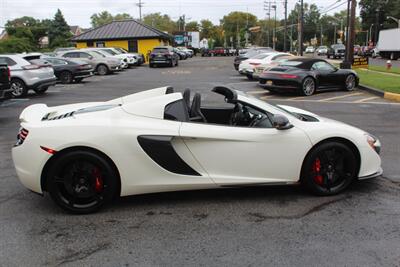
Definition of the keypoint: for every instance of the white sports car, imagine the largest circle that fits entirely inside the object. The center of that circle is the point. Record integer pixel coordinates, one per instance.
(86, 154)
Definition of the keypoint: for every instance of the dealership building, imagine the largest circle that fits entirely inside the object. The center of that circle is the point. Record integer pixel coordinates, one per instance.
(132, 35)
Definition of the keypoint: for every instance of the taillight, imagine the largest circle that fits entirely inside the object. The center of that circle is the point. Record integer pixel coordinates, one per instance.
(22, 135)
(288, 76)
(31, 67)
(255, 64)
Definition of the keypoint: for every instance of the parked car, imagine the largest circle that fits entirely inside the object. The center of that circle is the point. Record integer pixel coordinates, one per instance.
(248, 53)
(67, 70)
(248, 142)
(322, 50)
(188, 52)
(123, 64)
(306, 76)
(217, 51)
(336, 51)
(27, 76)
(374, 52)
(101, 64)
(63, 49)
(139, 56)
(248, 66)
(129, 58)
(163, 55)
(258, 70)
(181, 54)
(310, 50)
(5, 88)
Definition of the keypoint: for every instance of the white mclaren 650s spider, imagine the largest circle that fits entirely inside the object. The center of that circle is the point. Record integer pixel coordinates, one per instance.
(86, 154)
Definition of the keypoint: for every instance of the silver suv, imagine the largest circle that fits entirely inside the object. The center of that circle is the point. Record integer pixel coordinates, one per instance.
(102, 65)
(27, 76)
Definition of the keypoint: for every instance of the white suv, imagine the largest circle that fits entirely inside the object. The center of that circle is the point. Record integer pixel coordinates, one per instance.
(26, 76)
(130, 59)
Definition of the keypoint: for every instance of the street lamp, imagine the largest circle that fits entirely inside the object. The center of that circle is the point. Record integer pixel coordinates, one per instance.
(393, 18)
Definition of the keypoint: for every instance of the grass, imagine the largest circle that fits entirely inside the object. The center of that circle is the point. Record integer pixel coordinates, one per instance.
(388, 83)
(395, 70)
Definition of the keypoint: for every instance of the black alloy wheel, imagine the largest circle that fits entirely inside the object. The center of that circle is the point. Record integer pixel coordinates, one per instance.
(82, 182)
(350, 82)
(308, 86)
(329, 169)
(66, 77)
(19, 88)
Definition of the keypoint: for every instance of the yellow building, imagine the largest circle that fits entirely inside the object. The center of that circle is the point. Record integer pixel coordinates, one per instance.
(131, 35)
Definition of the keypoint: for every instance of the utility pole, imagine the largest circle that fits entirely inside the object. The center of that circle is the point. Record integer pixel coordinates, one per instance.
(274, 32)
(321, 34)
(301, 32)
(140, 5)
(377, 23)
(267, 7)
(351, 18)
(285, 33)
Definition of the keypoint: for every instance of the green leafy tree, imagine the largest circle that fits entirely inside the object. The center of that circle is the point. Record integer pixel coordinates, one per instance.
(238, 23)
(15, 45)
(59, 31)
(101, 18)
(371, 9)
(160, 22)
(192, 26)
(28, 28)
(122, 16)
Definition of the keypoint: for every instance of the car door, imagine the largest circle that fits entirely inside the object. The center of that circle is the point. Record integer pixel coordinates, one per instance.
(240, 155)
(326, 73)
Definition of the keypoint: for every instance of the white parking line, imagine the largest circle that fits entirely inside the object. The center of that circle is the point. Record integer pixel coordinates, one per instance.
(339, 97)
(366, 99)
(257, 92)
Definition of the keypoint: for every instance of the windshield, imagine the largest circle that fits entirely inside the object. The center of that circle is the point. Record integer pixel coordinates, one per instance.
(111, 52)
(291, 63)
(260, 56)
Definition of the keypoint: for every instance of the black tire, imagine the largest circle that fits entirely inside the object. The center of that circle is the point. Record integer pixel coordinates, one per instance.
(102, 70)
(151, 65)
(66, 77)
(250, 77)
(171, 63)
(328, 56)
(350, 82)
(329, 168)
(41, 91)
(19, 88)
(308, 86)
(78, 80)
(82, 182)
(177, 63)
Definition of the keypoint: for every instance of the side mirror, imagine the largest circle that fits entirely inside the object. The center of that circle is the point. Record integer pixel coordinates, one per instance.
(280, 122)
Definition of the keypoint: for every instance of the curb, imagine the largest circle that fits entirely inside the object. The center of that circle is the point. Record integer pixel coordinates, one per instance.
(378, 92)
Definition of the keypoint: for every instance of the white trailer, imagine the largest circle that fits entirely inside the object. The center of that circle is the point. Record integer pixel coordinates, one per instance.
(389, 44)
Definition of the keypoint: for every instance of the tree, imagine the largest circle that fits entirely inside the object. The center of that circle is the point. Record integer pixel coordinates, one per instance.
(59, 31)
(160, 22)
(370, 9)
(238, 23)
(122, 16)
(101, 18)
(15, 45)
(192, 26)
(27, 28)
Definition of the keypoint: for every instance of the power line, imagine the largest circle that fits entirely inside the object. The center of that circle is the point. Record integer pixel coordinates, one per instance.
(140, 5)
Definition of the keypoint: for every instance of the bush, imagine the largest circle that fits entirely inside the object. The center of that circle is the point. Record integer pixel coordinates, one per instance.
(15, 45)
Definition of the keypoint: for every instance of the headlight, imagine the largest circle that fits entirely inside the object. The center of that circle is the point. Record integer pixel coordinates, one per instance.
(373, 142)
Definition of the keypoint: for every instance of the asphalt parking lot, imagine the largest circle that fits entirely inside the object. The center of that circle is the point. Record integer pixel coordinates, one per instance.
(282, 226)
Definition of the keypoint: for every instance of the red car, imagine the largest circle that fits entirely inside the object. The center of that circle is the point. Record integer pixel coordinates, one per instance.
(218, 51)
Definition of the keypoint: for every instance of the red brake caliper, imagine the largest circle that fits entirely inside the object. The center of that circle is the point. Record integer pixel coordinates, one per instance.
(316, 168)
(98, 186)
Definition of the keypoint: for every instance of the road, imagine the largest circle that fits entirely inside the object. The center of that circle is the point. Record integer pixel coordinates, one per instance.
(261, 226)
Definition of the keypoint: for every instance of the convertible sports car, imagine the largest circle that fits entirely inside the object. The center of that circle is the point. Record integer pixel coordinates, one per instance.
(86, 154)
(306, 76)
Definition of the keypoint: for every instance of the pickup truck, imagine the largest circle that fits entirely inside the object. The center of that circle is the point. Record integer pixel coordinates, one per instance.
(5, 90)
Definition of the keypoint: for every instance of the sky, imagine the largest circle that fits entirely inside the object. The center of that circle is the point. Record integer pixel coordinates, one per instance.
(78, 12)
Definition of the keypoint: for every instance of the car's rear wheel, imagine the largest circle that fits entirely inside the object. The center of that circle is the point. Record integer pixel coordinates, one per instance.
(249, 77)
(19, 88)
(308, 86)
(102, 69)
(66, 77)
(82, 181)
(329, 168)
(350, 82)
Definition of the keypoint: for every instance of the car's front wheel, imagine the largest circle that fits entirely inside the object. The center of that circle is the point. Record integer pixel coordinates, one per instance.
(350, 82)
(329, 168)
(308, 86)
(82, 181)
